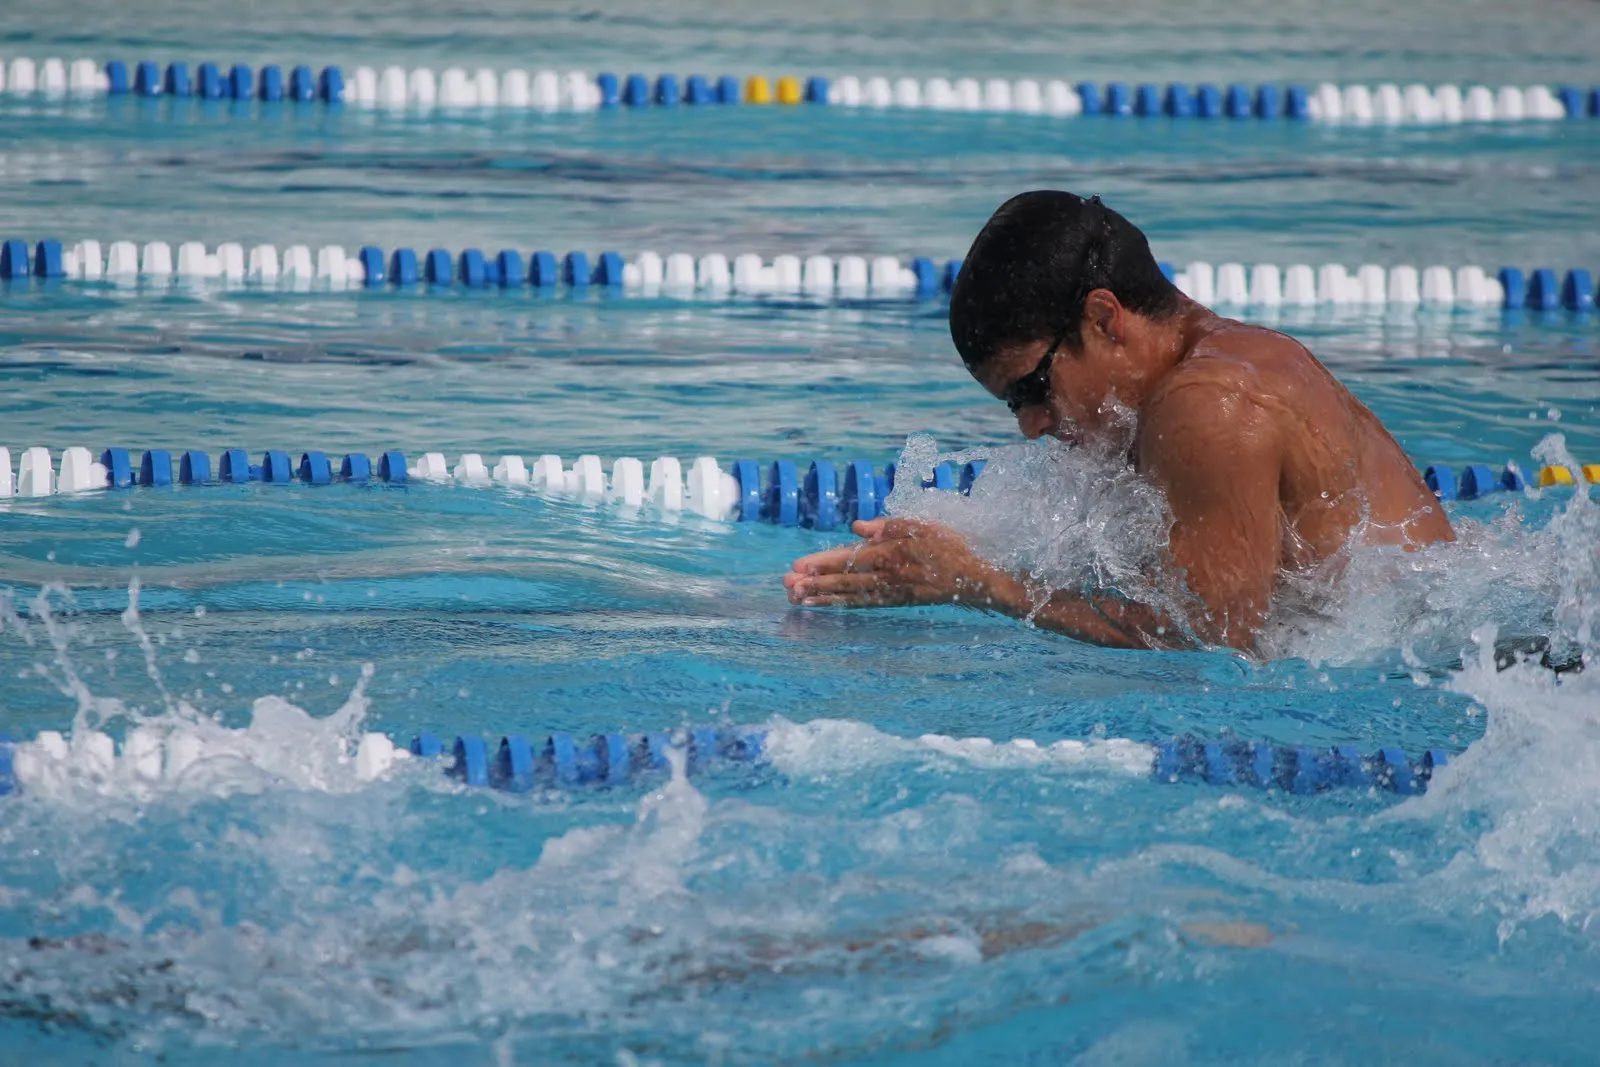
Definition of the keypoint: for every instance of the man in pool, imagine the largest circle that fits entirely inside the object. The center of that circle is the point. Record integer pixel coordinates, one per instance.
(1269, 465)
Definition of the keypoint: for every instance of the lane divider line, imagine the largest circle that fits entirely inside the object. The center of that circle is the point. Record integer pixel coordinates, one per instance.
(820, 495)
(522, 763)
(455, 89)
(714, 276)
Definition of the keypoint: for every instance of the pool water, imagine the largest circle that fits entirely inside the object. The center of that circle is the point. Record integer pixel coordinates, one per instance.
(882, 888)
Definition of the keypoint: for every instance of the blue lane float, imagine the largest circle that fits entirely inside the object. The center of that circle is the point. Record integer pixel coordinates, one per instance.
(1474, 480)
(1293, 769)
(820, 495)
(520, 763)
(1231, 287)
(420, 89)
(525, 763)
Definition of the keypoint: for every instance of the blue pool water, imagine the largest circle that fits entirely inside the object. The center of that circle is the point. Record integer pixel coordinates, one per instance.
(877, 891)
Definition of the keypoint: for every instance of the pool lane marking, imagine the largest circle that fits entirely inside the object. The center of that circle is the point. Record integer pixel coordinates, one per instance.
(818, 495)
(521, 763)
(419, 89)
(714, 276)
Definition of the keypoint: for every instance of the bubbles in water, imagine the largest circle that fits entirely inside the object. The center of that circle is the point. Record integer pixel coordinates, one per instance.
(247, 882)
(1081, 519)
(1072, 518)
(1521, 799)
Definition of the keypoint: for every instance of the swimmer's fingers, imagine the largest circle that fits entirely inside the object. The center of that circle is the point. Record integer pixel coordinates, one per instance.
(843, 600)
(871, 528)
(890, 529)
(839, 583)
(857, 557)
(832, 559)
(839, 560)
(872, 598)
(837, 590)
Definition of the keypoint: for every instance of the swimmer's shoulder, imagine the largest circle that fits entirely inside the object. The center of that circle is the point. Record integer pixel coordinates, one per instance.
(1236, 379)
(1212, 399)
(1245, 346)
(1224, 361)
(1270, 367)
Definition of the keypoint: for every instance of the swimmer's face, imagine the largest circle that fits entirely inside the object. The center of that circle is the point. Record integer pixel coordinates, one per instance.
(1059, 390)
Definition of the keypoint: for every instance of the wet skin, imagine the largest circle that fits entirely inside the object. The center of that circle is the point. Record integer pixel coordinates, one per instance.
(141, 988)
(1270, 467)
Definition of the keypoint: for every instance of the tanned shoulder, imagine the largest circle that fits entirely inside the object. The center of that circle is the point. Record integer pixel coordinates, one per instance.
(1232, 366)
(1208, 440)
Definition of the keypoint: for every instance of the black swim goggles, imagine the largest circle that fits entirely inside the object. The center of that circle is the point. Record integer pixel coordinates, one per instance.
(1033, 388)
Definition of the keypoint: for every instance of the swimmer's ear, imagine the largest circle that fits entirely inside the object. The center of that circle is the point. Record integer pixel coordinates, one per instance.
(1103, 315)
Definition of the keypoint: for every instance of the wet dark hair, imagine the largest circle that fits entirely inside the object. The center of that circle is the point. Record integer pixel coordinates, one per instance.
(1036, 260)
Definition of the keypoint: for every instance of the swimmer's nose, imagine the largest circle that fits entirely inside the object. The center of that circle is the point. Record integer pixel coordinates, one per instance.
(1036, 421)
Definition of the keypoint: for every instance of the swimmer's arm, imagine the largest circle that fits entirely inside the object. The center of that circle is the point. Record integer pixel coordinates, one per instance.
(901, 562)
(1204, 441)
(1216, 453)
(991, 937)
(1097, 618)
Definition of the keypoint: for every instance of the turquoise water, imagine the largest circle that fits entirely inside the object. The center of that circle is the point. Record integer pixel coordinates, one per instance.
(876, 893)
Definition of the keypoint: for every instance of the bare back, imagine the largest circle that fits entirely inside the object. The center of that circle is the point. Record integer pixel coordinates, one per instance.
(1340, 473)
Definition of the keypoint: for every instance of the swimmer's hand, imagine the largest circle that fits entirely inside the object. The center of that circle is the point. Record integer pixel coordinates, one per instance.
(899, 563)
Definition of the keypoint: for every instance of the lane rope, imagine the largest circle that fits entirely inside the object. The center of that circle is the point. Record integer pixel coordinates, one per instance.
(421, 90)
(818, 495)
(715, 276)
(521, 763)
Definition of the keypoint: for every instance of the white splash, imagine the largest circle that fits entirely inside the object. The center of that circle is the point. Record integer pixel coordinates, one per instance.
(1527, 581)
(282, 747)
(1527, 789)
(1081, 519)
(1524, 792)
(1074, 518)
(181, 749)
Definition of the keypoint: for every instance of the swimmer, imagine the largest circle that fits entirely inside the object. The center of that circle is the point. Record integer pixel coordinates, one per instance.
(1270, 467)
(112, 987)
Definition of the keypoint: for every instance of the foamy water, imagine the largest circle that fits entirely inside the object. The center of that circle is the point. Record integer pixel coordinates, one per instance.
(208, 884)
(1081, 519)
